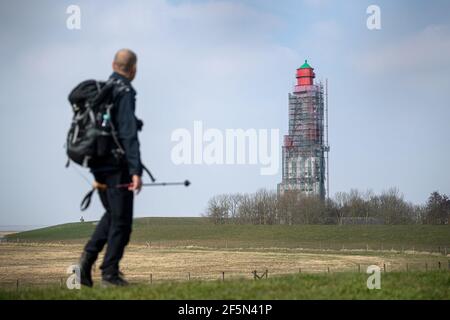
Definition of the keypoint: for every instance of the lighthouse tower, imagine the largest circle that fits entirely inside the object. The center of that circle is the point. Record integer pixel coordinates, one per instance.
(304, 162)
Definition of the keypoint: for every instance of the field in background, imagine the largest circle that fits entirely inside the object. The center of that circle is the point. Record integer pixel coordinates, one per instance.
(174, 232)
(174, 254)
(43, 264)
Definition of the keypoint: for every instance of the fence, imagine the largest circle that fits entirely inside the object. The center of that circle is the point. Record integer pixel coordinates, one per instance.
(154, 278)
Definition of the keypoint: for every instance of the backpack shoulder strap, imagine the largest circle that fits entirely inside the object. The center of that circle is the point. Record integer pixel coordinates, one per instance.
(119, 87)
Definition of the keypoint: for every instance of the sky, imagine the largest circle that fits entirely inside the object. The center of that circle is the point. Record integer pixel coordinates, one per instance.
(230, 65)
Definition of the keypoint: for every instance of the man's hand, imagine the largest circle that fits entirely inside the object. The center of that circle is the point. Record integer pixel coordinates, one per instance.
(136, 184)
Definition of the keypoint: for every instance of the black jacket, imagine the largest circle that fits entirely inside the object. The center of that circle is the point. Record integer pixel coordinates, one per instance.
(127, 126)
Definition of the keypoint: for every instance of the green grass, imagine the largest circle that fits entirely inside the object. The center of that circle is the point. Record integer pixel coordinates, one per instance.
(201, 232)
(412, 285)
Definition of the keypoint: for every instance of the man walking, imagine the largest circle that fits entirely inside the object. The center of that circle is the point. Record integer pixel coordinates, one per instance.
(115, 226)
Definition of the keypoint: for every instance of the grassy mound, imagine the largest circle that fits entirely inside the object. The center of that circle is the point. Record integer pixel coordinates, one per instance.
(202, 232)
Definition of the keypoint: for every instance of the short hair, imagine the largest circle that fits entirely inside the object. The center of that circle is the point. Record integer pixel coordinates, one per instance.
(125, 59)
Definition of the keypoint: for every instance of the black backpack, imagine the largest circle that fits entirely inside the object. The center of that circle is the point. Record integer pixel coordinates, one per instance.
(92, 134)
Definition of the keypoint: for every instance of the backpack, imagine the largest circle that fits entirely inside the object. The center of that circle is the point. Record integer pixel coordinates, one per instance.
(92, 134)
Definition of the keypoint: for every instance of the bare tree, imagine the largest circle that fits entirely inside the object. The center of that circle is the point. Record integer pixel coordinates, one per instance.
(393, 209)
(294, 207)
(218, 208)
(437, 209)
(342, 202)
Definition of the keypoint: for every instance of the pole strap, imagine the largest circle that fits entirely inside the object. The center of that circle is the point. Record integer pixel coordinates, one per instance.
(87, 199)
(148, 172)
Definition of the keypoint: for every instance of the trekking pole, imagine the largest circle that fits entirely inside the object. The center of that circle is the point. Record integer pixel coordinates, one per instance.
(100, 186)
(185, 183)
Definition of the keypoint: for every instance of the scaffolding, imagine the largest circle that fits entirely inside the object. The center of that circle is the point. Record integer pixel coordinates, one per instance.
(304, 165)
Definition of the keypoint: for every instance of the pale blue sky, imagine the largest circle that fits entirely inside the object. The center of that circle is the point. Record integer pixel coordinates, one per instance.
(229, 64)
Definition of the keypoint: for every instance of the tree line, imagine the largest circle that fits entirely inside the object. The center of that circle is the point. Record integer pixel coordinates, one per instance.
(354, 207)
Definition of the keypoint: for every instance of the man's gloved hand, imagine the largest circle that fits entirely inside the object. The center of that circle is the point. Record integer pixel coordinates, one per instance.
(136, 184)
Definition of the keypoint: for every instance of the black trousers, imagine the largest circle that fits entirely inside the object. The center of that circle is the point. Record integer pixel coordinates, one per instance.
(114, 228)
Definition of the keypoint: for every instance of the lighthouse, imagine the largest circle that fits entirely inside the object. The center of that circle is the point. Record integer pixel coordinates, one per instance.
(305, 148)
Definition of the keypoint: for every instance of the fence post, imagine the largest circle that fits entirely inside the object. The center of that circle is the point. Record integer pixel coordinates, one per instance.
(254, 274)
(359, 268)
(267, 273)
(151, 278)
(328, 269)
(223, 275)
(384, 267)
(189, 276)
(407, 268)
(439, 265)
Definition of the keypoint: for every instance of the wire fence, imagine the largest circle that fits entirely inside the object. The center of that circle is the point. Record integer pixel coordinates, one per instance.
(151, 278)
(441, 253)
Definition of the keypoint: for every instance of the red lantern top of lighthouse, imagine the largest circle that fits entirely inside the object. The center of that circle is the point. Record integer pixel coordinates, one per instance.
(305, 77)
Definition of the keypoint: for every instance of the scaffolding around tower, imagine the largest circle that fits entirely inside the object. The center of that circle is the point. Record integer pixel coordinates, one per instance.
(304, 165)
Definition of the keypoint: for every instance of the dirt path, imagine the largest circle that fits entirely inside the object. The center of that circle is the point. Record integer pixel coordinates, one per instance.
(47, 263)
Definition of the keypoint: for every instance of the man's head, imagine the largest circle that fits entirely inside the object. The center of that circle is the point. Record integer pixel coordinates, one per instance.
(125, 63)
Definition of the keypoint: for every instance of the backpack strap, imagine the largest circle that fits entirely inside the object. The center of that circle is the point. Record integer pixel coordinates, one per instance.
(119, 87)
(119, 146)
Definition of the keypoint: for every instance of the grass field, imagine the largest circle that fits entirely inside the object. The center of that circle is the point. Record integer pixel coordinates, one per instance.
(186, 258)
(201, 232)
(412, 285)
